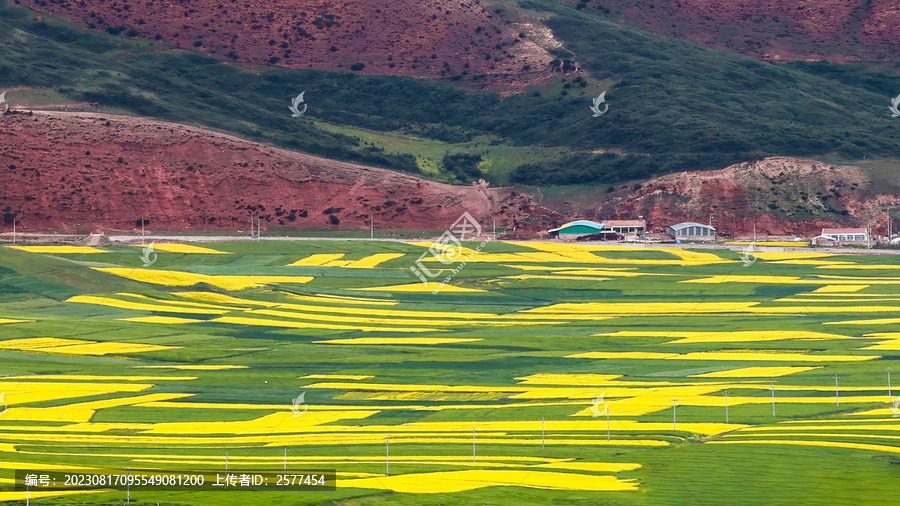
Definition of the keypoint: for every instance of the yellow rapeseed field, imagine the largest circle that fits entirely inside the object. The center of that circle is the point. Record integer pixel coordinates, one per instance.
(183, 248)
(372, 261)
(191, 367)
(875, 321)
(358, 377)
(21, 392)
(89, 377)
(568, 379)
(180, 302)
(840, 288)
(140, 306)
(78, 347)
(105, 348)
(790, 255)
(4, 321)
(224, 299)
(888, 424)
(340, 299)
(178, 278)
(761, 355)
(598, 467)
(686, 337)
(644, 308)
(419, 287)
(460, 481)
(31, 343)
(422, 319)
(317, 260)
(397, 340)
(464, 251)
(237, 320)
(354, 311)
(555, 276)
(20, 496)
(754, 372)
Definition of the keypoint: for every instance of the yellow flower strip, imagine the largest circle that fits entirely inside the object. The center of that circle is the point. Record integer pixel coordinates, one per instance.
(317, 260)
(725, 337)
(419, 287)
(333, 299)
(183, 248)
(755, 372)
(191, 367)
(4, 321)
(372, 261)
(235, 320)
(384, 319)
(87, 377)
(140, 306)
(105, 348)
(350, 310)
(178, 278)
(358, 377)
(395, 341)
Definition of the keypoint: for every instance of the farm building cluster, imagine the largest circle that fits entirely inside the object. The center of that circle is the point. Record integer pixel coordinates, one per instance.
(628, 230)
(688, 231)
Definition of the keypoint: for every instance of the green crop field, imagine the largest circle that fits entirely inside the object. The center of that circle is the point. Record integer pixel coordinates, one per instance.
(541, 373)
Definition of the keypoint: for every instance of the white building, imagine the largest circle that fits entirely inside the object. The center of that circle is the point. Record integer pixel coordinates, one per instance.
(691, 231)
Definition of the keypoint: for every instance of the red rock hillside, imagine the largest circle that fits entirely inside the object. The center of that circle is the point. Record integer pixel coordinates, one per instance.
(80, 171)
(427, 38)
(782, 196)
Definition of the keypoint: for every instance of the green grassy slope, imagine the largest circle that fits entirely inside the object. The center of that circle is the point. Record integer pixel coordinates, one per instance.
(673, 106)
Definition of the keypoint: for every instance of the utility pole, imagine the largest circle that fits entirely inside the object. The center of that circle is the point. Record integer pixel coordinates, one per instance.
(837, 392)
(284, 467)
(773, 400)
(495, 229)
(888, 369)
(726, 406)
(387, 457)
(607, 422)
(674, 414)
(473, 444)
(372, 231)
(543, 440)
(258, 229)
